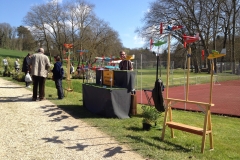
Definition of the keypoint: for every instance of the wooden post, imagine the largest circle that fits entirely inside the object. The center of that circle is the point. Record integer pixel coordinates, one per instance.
(211, 83)
(69, 83)
(188, 71)
(68, 65)
(168, 65)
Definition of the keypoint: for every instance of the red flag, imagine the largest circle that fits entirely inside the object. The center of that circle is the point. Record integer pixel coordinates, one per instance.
(151, 43)
(161, 28)
(184, 44)
(202, 54)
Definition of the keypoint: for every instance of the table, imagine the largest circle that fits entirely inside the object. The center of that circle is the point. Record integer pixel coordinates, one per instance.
(122, 78)
(107, 102)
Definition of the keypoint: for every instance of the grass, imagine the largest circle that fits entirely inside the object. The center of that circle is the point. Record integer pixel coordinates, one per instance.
(12, 53)
(148, 143)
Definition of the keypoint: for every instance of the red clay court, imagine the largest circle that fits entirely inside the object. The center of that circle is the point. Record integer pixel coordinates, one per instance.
(225, 97)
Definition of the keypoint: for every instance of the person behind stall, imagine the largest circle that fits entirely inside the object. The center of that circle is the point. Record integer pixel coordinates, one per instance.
(58, 73)
(26, 68)
(17, 65)
(125, 64)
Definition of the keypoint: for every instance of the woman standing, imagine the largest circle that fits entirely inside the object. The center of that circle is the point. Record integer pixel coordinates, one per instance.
(58, 73)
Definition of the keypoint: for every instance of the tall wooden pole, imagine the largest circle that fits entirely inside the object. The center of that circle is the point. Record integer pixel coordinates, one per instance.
(168, 65)
(68, 65)
(211, 83)
(188, 71)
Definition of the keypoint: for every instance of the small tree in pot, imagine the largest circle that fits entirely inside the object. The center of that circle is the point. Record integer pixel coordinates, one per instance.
(150, 115)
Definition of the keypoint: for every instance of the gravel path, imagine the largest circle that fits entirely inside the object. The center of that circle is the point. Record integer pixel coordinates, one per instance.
(41, 131)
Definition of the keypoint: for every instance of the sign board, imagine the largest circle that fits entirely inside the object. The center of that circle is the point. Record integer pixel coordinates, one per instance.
(108, 78)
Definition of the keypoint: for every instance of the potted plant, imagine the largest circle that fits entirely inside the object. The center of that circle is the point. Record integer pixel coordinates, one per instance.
(150, 115)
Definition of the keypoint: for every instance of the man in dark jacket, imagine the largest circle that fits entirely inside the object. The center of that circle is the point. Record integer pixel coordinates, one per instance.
(125, 64)
(58, 73)
(26, 68)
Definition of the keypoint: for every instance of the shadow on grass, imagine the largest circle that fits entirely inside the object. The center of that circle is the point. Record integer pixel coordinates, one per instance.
(167, 146)
(78, 111)
(137, 129)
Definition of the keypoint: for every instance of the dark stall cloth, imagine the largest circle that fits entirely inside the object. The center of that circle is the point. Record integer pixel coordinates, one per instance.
(122, 79)
(108, 102)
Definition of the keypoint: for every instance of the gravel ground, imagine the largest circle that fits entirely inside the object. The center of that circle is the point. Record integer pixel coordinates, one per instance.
(41, 131)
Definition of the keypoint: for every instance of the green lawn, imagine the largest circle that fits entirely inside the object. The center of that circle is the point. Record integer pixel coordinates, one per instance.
(148, 143)
(12, 53)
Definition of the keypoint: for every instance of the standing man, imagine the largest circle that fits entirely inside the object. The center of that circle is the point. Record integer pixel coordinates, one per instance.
(125, 64)
(58, 73)
(40, 65)
(26, 67)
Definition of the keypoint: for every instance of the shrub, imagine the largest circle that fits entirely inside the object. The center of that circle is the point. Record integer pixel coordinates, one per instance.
(150, 114)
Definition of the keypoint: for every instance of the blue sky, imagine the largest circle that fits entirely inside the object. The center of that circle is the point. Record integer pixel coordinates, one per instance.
(124, 16)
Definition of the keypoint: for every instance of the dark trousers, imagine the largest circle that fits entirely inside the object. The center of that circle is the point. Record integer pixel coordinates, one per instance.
(58, 84)
(38, 81)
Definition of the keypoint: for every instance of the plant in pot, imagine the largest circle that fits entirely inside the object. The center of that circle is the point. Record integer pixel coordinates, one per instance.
(150, 115)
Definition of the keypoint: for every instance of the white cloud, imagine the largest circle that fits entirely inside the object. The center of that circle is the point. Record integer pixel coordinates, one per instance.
(138, 40)
(53, 1)
(126, 35)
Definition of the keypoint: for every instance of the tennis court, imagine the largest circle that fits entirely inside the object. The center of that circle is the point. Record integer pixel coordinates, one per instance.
(225, 97)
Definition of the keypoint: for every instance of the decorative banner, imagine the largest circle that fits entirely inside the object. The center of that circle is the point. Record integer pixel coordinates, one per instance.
(202, 54)
(68, 52)
(82, 50)
(68, 46)
(174, 28)
(158, 43)
(216, 54)
(161, 28)
(191, 39)
(151, 43)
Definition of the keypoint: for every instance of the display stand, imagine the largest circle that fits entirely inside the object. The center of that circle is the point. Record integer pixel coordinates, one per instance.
(168, 119)
(68, 79)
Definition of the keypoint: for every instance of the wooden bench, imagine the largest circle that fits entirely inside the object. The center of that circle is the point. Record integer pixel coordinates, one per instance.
(187, 128)
(205, 130)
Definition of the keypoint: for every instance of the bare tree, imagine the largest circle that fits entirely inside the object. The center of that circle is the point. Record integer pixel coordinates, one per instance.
(80, 15)
(6, 32)
(54, 24)
(203, 17)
